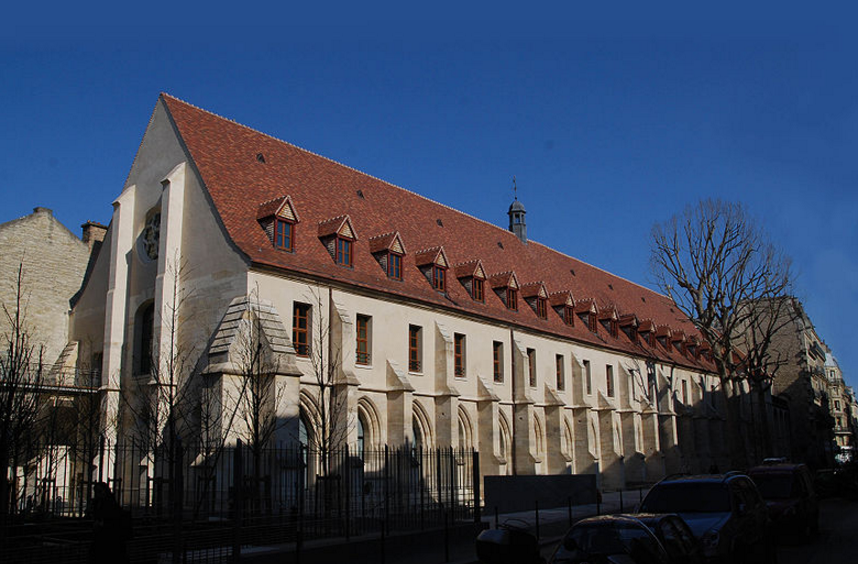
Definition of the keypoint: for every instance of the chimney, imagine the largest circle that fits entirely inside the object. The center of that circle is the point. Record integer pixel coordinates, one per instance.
(47, 211)
(93, 234)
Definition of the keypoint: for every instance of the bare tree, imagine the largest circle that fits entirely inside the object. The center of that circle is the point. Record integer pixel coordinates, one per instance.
(713, 260)
(21, 384)
(332, 425)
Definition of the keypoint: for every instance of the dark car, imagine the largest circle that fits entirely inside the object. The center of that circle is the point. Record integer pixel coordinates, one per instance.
(610, 538)
(790, 496)
(675, 536)
(725, 512)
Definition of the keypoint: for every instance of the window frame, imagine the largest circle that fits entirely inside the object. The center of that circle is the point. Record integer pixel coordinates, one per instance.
(588, 377)
(512, 298)
(560, 372)
(344, 250)
(415, 352)
(363, 323)
(569, 315)
(394, 272)
(541, 308)
(609, 380)
(497, 356)
(531, 367)
(459, 352)
(478, 289)
(278, 222)
(439, 278)
(301, 311)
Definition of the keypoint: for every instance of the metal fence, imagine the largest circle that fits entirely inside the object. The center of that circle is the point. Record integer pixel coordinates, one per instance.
(191, 504)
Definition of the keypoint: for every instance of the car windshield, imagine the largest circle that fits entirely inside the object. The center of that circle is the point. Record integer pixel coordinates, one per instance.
(687, 497)
(608, 538)
(776, 486)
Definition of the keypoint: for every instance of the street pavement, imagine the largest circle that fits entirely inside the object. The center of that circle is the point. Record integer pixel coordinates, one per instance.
(837, 540)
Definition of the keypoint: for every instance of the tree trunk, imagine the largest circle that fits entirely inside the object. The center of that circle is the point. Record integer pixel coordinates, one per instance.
(735, 444)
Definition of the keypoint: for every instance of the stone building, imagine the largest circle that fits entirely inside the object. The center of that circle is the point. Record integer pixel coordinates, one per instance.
(438, 329)
(841, 398)
(53, 262)
(802, 383)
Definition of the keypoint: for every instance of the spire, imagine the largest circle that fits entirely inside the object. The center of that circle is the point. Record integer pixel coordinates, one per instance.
(516, 215)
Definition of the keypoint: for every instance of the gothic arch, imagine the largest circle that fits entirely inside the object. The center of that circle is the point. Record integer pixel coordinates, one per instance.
(504, 449)
(368, 419)
(310, 417)
(538, 438)
(421, 427)
(567, 441)
(465, 429)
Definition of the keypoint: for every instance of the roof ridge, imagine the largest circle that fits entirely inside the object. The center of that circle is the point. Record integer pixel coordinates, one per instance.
(342, 216)
(383, 235)
(165, 94)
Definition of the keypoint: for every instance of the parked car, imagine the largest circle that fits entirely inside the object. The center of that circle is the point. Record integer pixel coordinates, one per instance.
(511, 543)
(790, 497)
(725, 512)
(619, 539)
(675, 536)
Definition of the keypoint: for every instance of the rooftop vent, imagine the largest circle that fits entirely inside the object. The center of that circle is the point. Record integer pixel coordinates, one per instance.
(360, 195)
(260, 157)
(643, 299)
(572, 271)
(439, 222)
(500, 244)
(611, 286)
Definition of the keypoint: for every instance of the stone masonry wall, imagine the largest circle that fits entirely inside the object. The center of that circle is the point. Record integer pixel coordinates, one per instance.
(54, 262)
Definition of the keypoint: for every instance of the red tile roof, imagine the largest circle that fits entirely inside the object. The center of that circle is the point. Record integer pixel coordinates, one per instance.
(225, 154)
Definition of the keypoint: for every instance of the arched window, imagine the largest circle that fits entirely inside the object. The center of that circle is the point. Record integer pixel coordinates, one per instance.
(361, 436)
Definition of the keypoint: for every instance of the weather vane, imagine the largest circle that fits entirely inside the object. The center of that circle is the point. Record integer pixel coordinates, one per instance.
(514, 188)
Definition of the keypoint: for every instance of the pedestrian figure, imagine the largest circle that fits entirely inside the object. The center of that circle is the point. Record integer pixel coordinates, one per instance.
(108, 533)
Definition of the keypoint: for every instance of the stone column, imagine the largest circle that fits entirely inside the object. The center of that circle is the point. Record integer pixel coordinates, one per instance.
(446, 396)
(555, 461)
(523, 462)
(400, 401)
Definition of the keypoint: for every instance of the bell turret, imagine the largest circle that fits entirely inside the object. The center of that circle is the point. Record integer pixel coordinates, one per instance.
(516, 217)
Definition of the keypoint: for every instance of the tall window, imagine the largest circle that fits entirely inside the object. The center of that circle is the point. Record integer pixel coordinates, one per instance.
(613, 328)
(362, 349)
(394, 265)
(344, 251)
(283, 234)
(497, 351)
(439, 278)
(301, 329)
(685, 392)
(651, 384)
(147, 330)
(512, 298)
(478, 289)
(588, 377)
(414, 348)
(609, 380)
(591, 321)
(531, 365)
(568, 315)
(542, 308)
(459, 354)
(558, 364)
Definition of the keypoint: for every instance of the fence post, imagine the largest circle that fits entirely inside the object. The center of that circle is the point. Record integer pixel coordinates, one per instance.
(537, 520)
(476, 486)
(446, 535)
(177, 483)
(238, 499)
(299, 533)
(348, 479)
(569, 499)
(384, 524)
(453, 498)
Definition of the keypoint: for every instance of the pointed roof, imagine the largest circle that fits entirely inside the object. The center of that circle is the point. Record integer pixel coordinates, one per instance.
(281, 207)
(435, 255)
(534, 289)
(470, 269)
(564, 298)
(340, 225)
(387, 242)
(225, 157)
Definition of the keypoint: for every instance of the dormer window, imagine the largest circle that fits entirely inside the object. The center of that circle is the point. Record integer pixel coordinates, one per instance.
(339, 236)
(473, 278)
(512, 299)
(478, 290)
(536, 296)
(439, 278)
(591, 322)
(433, 264)
(283, 234)
(389, 251)
(278, 218)
(568, 315)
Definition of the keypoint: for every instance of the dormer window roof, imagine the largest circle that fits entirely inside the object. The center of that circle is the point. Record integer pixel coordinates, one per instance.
(536, 296)
(278, 218)
(662, 334)
(629, 324)
(586, 310)
(388, 250)
(472, 275)
(505, 285)
(433, 264)
(678, 339)
(564, 305)
(608, 316)
(338, 235)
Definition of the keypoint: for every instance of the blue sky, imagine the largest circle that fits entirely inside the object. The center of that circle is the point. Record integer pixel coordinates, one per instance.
(609, 126)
